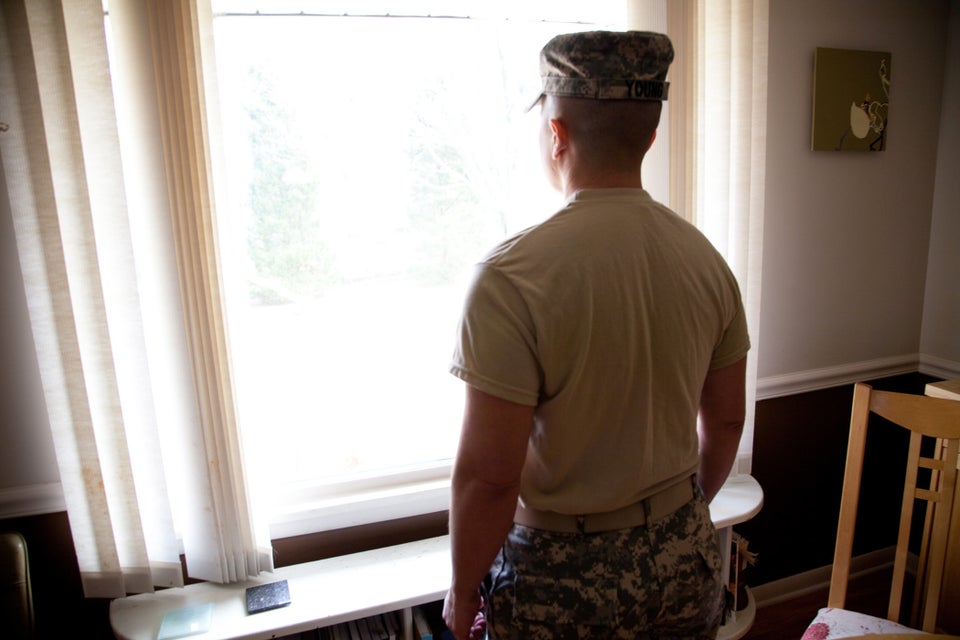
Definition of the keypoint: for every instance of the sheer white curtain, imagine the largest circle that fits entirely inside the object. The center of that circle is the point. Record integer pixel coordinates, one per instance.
(716, 119)
(135, 382)
(721, 161)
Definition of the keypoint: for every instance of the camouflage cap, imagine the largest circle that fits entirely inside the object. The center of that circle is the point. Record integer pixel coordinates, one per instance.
(606, 65)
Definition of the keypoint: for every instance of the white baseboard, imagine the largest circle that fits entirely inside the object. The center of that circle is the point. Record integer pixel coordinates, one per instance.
(939, 367)
(31, 500)
(823, 378)
(819, 578)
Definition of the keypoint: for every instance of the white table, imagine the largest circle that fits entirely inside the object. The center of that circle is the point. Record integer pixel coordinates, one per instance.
(949, 615)
(327, 592)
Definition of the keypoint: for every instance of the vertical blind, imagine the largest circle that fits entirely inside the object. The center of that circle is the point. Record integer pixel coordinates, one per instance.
(228, 541)
(718, 111)
(79, 239)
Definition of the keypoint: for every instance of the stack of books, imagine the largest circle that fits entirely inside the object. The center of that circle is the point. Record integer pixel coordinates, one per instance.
(426, 622)
(387, 626)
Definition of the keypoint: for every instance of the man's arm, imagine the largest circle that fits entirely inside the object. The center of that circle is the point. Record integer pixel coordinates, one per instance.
(722, 411)
(485, 486)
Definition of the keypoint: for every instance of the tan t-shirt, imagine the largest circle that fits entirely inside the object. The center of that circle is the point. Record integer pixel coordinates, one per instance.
(606, 317)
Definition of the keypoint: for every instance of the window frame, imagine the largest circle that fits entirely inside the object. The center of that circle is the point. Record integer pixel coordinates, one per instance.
(366, 498)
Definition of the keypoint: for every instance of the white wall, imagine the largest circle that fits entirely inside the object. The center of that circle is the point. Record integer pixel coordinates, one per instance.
(26, 446)
(846, 234)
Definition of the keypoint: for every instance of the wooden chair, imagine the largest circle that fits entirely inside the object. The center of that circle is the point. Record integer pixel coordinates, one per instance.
(16, 596)
(935, 422)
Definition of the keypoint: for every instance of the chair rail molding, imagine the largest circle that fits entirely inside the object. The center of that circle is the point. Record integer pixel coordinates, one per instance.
(31, 500)
(940, 367)
(787, 384)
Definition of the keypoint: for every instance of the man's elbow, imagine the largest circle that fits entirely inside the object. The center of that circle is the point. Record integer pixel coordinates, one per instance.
(725, 426)
(485, 478)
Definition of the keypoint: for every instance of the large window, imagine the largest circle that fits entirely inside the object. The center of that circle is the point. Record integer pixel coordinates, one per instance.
(373, 153)
(346, 218)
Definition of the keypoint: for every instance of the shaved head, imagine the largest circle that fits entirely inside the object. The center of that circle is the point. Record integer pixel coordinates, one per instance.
(610, 135)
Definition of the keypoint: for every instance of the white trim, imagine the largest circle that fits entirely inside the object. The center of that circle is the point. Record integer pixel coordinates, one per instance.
(325, 513)
(815, 579)
(940, 367)
(304, 518)
(815, 379)
(358, 499)
(31, 500)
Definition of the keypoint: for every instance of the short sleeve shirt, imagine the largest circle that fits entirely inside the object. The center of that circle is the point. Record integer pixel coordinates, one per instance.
(606, 318)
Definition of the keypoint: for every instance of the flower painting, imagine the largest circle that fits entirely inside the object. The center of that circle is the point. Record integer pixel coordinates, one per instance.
(851, 100)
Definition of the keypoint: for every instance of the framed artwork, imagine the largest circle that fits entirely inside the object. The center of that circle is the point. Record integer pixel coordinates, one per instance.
(851, 100)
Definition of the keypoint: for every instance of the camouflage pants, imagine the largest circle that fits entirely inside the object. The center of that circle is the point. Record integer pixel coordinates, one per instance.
(661, 581)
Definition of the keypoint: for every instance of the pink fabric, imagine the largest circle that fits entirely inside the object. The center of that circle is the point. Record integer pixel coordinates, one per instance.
(817, 631)
(839, 623)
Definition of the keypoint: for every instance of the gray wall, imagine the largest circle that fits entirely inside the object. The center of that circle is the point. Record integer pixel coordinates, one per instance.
(847, 235)
(941, 309)
(26, 452)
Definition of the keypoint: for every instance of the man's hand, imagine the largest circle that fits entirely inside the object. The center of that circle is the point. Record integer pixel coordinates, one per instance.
(464, 616)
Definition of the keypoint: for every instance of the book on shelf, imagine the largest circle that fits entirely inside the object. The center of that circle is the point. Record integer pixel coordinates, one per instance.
(339, 632)
(740, 559)
(353, 630)
(394, 625)
(421, 628)
(377, 626)
(425, 621)
(364, 624)
(386, 626)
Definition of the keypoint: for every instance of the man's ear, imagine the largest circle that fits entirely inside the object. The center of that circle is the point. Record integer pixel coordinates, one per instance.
(561, 136)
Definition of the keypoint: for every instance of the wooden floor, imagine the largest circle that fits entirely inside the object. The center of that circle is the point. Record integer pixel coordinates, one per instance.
(789, 619)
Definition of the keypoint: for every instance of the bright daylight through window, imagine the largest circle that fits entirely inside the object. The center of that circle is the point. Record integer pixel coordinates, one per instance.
(373, 154)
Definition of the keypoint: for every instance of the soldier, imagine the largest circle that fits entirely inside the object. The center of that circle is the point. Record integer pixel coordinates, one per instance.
(590, 344)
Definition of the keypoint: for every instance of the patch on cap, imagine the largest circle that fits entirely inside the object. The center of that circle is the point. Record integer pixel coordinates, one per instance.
(606, 65)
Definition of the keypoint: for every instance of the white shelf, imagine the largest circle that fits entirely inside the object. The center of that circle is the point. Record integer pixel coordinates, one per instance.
(740, 621)
(322, 593)
(739, 500)
(327, 592)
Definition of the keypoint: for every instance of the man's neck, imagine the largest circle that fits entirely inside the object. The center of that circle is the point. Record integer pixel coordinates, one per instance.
(575, 182)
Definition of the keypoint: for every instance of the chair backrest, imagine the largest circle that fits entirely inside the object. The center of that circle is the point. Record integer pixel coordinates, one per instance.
(16, 596)
(938, 420)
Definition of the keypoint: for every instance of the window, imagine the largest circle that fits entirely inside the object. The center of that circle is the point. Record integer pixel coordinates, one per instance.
(124, 279)
(373, 153)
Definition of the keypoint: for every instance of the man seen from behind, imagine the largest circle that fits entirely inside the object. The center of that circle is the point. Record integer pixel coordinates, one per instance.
(590, 345)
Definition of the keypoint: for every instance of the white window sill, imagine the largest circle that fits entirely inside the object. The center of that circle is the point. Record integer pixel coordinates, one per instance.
(322, 593)
(378, 505)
